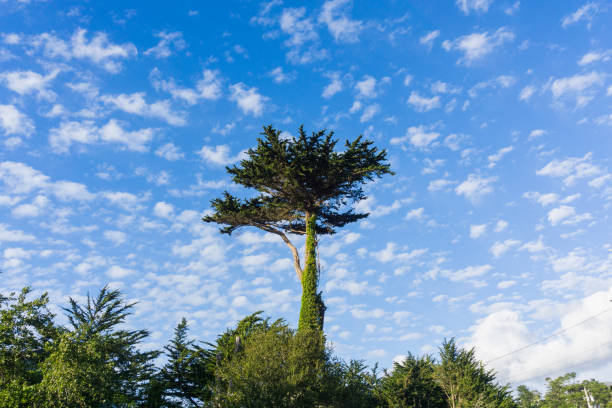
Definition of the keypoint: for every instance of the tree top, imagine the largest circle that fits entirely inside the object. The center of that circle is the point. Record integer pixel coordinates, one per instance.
(298, 177)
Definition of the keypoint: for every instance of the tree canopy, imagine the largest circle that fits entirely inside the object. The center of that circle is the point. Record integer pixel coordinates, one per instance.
(305, 186)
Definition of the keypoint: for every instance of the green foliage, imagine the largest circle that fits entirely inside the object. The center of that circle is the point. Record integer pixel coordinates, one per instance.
(300, 176)
(274, 368)
(188, 375)
(305, 187)
(96, 363)
(566, 392)
(25, 327)
(465, 381)
(412, 384)
(312, 310)
(354, 386)
(526, 398)
(257, 363)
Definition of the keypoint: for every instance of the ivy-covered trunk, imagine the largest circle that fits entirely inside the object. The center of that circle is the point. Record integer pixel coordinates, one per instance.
(313, 310)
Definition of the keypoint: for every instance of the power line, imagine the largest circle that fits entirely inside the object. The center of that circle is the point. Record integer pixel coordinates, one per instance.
(549, 337)
(550, 368)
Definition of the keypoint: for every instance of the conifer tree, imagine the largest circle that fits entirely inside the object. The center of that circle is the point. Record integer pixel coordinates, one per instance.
(305, 187)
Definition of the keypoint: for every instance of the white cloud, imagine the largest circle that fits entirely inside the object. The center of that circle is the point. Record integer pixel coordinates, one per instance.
(366, 88)
(507, 329)
(14, 122)
(353, 287)
(334, 86)
(116, 237)
(62, 137)
(71, 191)
(506, 284)
(29, 82)
(303, 37)
(600, 181)
(135, 104)
(444, 88)
(571, 168)
(542, 199)
(369, 112)
(117, 272)
(534, 246)
(429, 38)
(207, 88)
(586, 12)
(31, 210)
(475, 187)
(476, 231)
(163, 209)
(560, 213)
(8, 235)
(100, 50)
(219, 155)
(595, 56)
(21, 178)
(248, 99)
(422, 103)
(415, 214)
(419, 136)
(536, 133)
(501, 225)
(135, 140)
(480, 6)
(468, 273)
(580, 87)
(494, 158)
(166, 42)
(511, 10)
(389, 253)
(439, 184)
(502, 81)
(501, 247)
(169, 152)
(476, 46)
(527, 92)
(280, 77)
(343, 28)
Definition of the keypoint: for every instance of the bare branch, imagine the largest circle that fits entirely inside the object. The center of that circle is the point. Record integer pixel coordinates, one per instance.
(294, 251)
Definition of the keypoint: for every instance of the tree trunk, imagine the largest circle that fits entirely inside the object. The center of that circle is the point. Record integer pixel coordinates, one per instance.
(313, 310)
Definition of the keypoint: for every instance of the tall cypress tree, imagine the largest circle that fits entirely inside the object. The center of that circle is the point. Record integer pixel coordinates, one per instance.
(305, 187)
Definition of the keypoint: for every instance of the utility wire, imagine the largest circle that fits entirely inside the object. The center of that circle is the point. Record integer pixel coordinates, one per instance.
(550, 368)
(549, 337)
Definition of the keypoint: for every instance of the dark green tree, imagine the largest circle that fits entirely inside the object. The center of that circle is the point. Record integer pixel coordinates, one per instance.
(188, 375)
(25, 327)
(412, 384)
(466, 382)
(305, 187)
(96, 363)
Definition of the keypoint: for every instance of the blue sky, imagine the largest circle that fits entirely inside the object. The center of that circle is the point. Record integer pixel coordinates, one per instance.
(116, 125)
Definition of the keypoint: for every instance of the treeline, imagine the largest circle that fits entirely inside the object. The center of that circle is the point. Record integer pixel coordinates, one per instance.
(96, 362)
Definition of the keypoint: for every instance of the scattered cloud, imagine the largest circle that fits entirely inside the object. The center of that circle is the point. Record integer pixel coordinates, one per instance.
(418, 136)
(422, 103)
(475, 187)
(167, 42)
(480, 6)
(584, 13)
(476, 46)
(249, 100)
(334, 15)
(429, 38)
(219, 155)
